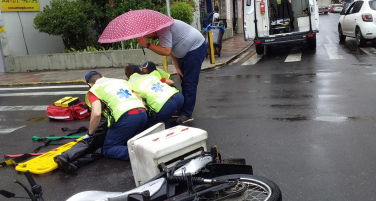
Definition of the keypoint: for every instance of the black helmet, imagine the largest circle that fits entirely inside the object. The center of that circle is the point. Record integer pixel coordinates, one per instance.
(150, 66)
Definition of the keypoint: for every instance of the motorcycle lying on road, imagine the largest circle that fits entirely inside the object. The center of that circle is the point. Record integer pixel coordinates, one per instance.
(201, 177)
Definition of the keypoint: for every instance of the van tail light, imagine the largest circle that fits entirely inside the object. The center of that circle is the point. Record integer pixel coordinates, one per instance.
(311, 36)
(367, 17)
(257, 42)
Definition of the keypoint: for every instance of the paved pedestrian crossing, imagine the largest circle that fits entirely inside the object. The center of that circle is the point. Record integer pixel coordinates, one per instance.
(332, 52)
(30, 100)
(295, 54)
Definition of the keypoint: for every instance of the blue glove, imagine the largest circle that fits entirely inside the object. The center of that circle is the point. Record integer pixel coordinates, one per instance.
(88, 136)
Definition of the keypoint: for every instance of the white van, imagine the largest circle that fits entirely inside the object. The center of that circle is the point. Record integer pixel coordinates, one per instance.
(281, 22)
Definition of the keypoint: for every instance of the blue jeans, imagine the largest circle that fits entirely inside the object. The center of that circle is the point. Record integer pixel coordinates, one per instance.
(190, 66)
(128, 125)
(173, 104)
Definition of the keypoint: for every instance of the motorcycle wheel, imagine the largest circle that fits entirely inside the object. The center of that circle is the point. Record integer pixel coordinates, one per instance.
(258, 189)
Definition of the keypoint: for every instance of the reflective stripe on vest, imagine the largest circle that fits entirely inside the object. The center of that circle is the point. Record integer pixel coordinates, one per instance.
(152, 89)
(117, 95)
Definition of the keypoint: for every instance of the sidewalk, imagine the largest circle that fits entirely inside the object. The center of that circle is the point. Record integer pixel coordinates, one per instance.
(231, 48)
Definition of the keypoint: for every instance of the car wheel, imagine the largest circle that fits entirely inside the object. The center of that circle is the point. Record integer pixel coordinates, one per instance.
(342, 37)
(259, 49)
(312, 42)
(326, 13)
(360, 41)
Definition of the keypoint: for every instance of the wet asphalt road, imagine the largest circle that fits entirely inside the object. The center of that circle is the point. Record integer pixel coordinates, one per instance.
(306, 125)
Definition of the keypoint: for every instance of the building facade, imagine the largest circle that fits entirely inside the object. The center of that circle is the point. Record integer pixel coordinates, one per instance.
(18, 37)
(230, 12)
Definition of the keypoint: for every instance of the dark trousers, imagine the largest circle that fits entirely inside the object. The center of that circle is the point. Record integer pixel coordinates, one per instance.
(190, 66)
(168, 109)
(129, 125)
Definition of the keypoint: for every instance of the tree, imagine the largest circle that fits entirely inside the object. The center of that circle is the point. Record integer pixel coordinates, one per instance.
(71, 20)
(181, 11)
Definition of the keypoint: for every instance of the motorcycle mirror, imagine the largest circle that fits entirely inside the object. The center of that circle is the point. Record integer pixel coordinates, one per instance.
(7, 194)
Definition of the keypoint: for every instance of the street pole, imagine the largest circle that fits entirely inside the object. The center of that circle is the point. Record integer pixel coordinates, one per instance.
(165, 65)
(168, 8)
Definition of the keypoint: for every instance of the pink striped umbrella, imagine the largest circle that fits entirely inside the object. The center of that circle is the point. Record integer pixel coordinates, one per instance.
(134, 24)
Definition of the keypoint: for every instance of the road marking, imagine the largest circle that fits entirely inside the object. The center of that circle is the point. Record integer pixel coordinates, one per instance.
(23, 108)
(253, 60)
(249, 55)
(295, 54)
(45, 87)
(6, 129)
(332, 51)
(44, 93)
(330, 40)
(237, 60)
(370, 51)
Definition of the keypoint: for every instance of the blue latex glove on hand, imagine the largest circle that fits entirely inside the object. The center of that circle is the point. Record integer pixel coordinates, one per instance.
(87, 136)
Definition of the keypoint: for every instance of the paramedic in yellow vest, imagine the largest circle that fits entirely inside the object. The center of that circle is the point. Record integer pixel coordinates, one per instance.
(161, 99)
(150, 67)
(124, 110)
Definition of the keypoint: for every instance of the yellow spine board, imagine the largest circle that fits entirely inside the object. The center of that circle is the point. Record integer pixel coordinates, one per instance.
(45, 162)
(60, 102)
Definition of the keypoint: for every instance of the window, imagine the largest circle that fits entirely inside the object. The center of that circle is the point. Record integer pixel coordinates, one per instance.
(248, 2)
(350, 9)
(372, 5)
(358, 5)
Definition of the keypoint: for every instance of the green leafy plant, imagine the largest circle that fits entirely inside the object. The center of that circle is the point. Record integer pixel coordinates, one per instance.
(87, 49)
(75, 20)
(181, 11)
(71, 20)
(192, 3)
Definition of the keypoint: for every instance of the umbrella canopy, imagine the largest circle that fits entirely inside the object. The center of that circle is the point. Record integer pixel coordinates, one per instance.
(134, 24)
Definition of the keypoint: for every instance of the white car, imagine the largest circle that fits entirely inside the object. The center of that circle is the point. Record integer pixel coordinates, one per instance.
(358, 21)
(337, 8)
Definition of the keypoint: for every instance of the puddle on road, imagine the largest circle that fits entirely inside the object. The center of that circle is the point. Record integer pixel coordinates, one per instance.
(286, 106)
(334, 119)
(362, 118)
(343, 118)
(331, 118)
(39, 119)
(363, 64)
(298, 118)
(249, 76)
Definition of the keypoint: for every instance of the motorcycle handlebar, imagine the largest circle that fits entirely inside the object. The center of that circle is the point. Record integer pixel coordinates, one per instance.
(30, 179)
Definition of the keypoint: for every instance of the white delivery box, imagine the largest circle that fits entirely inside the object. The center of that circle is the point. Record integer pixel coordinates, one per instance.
(303, 23)
(156, 145)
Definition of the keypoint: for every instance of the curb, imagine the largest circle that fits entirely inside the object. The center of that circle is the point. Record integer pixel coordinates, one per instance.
(230, 59)
(83, 81)
(41, 83)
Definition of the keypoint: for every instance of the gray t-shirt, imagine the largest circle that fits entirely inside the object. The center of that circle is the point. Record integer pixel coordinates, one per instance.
(181, 37)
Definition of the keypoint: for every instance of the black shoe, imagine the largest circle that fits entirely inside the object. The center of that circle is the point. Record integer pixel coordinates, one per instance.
(64, 165)
(183, 119)
(176, 114)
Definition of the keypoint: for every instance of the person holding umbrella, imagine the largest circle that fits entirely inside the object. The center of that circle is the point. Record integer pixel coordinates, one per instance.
(187, 49)
(183, 43)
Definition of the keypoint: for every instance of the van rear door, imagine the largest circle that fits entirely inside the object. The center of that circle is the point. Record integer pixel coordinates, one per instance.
(314, 15)
(249, 19)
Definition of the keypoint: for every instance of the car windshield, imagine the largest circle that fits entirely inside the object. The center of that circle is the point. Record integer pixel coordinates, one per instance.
(372, 4)
(338, 6)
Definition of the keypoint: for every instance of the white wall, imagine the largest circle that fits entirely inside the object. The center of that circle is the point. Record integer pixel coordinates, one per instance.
(15, 41)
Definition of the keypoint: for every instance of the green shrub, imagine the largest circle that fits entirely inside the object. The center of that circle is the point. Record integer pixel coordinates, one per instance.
(69, 19)
(181, 11)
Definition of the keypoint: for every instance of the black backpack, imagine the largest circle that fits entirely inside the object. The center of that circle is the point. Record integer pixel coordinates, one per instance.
(208, 19)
